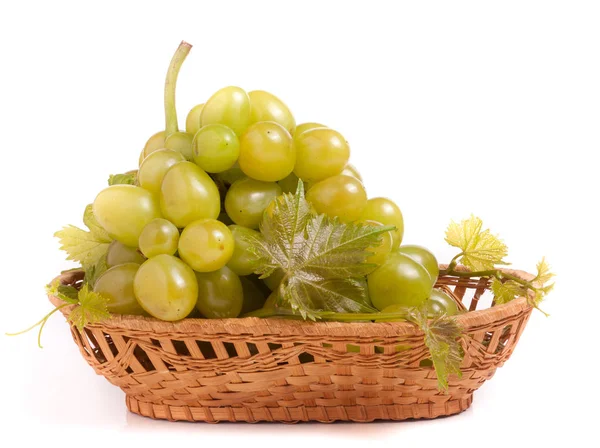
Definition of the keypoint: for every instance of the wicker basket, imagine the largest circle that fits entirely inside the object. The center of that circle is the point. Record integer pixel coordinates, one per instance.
(254, 369)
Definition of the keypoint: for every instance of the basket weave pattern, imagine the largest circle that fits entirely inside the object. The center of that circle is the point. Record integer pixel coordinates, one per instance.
(254, 369)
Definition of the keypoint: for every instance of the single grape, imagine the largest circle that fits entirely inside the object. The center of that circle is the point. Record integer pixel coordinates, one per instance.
(232, 174)
(267, 152)
(181, 142)
(400, 280)
(118, 254)
(187, 194)
(424, 258)
(387, 213)
(141, 158)
(192, 121)
(254, 298)
(220, 294)
(229, 106)
(272, 300)
(247, 199)
(124, 210)
(116, 284)
(320, 153)
(166, 287)
(154, 167)
(159, 237)
(265, 106)
(341, 196)
(241, 261)
(289, 184)
(350, 170)
(157, 141)
(441, 303)
(272, 281)
(216, 148)
(306, 127)
(381, 252)
(206, 245)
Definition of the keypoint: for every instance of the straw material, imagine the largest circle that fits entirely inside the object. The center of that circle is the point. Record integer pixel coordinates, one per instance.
(255, 369)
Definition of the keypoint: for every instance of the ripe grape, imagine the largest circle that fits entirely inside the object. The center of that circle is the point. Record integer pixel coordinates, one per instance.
(192, 121)
(116, 284)
(241, 261)
(154, 167)
(253, 295)
(424, 258)
(118, 254)
(166, 287)
(216, 148)
(267, 152)
(380, 252)
(265, 106)
(159, 237)
(272, 281)
(220, 294)
(187, 194)
(157, 141)
(181, 142)
(206, 245)
(320, 153)
(387, 213)
(247, 199)
(289, 184)
(441, 303)
(124, 210)
(341, 196)
(400, 280)
(306, 127)
(229, 106)
(232, 174)
(350, 170)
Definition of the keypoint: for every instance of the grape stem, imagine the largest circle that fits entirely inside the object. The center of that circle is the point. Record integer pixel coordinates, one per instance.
(170, 83)
(326, 315)
(41, 323)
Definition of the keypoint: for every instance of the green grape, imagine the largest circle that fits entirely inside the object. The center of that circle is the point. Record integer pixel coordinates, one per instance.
(166, 287)
(216, 148)
(400, 280)
(229, 106)
(116, 284)
(253, 295)
(247, 199)
(206, 245)
(272, 281)
(192, 121)
(271, 300)
(181, 142)
(241, 261)
(350, 170)
(341, 196)
(232, 174)
(441, 303)
(265, 106)
(157, 141)
(289, 184)
(394, 308)
(424, 258)
(387, 213)
(220, 294)
(153, 168)
(187, 194)
(118, 254)
(381, 252)
(124, 210)
(141, 158)
(159, 237)
(267, 152)
(306, 127)
(320, 153)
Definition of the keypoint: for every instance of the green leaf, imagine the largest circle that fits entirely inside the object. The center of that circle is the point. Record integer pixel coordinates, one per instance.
(505, 291)
(90, 221)
(480, 250)
(94, 271)
(126, 179)
(66, 293)
(92, 308)
(81, 246)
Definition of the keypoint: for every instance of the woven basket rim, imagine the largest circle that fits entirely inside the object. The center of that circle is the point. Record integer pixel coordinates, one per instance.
(279, 326)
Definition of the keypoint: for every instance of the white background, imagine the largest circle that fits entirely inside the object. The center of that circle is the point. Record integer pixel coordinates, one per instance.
(451, 108)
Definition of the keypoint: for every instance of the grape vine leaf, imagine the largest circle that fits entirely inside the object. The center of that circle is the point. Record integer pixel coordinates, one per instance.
(81, 246)
(323, 259)
(92, 223)
(92, 308)
(122, 179)
(480, 250)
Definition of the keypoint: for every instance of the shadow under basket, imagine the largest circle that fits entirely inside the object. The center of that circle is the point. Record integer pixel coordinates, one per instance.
(277, 370)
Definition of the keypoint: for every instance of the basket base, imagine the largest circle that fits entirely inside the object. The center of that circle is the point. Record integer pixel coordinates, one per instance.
(323, 414)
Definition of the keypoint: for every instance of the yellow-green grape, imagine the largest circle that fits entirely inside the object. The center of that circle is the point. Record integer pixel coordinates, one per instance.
(350, 170)
(380, 252)
(206, 245)
(159, 237)
(141, 158)
(192, 121)
(320, 153)
(289, 184)
(271, 300)
(216, 148)
(232, 174)
(341, 196)
(394, 308)
(306, 127)
(265, 106)
(187, 194)
(247, 199)
(124, 210)
(423, 257)
(267, 152)
(229, 106)
(241, 261)
(441, 303)
(157, 141)
(220, 294)
(400, 280)
(272, 281)
(118, 254)
(253, 296)
(116, 284)
(166, 287)
(225, 219)
(386, 212)
(154, 167)
(181, 142)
